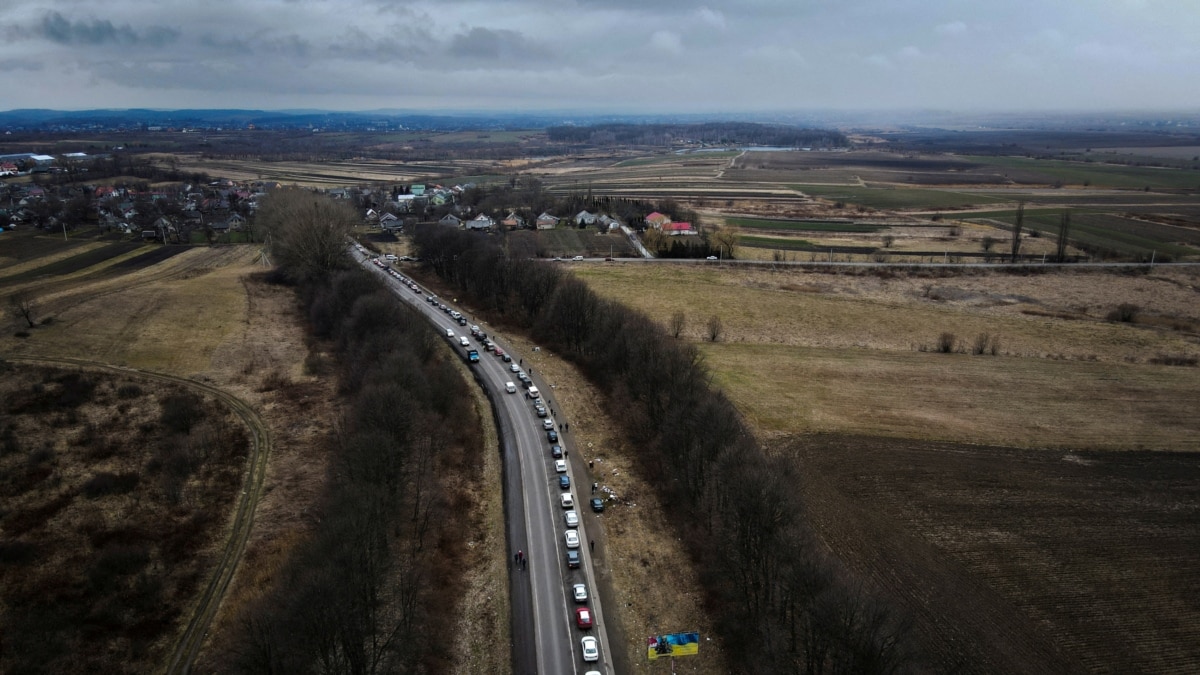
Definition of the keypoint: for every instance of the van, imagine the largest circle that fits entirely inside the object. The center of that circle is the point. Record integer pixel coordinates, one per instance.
(464, 341)
(533, 392)
(510, 387)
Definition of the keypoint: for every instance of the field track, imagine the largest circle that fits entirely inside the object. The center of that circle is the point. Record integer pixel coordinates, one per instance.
(205, 607)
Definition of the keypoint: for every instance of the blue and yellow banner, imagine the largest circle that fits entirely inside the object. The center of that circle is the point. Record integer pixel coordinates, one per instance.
(673, 644)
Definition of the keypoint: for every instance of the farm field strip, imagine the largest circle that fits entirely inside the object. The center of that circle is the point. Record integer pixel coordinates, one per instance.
(803, 225)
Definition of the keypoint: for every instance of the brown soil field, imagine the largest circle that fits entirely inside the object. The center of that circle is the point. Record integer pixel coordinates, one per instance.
(1024, 561)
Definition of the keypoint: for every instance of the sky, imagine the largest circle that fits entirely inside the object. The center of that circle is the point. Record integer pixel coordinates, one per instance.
(627, 56)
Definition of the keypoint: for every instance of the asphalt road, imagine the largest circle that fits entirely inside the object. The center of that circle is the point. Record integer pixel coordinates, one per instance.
(545, 638)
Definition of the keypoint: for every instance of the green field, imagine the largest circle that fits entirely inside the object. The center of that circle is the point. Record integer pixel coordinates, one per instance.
(1098, 175)
(1106, 233)
(776, 243)
(895, 198)
(803, 225)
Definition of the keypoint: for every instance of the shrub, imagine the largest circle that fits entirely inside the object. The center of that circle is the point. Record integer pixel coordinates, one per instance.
(1126, 312)
(17, 552)
(128, 391)
(106, 483)
(180, 412)
(986, 344)
(1174, 360)
(946, 343)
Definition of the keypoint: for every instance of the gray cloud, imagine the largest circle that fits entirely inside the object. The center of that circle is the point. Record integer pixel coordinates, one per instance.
(57, 28)
(665, 55)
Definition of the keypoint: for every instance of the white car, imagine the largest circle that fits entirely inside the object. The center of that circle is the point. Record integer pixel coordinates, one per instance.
(510, 387)
(577, 258)
(580, 592)
(450, 333)
(711, 257)
(572, 520)
(514, 367)
(572, 538)
(547, 424)
(391, 257)
(591, 649)
(567, 499)
(560, 465)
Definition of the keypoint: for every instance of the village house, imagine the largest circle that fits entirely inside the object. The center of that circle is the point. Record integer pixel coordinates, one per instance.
(480, 222)
(512, 221)
(675, 229)
(547, 221)
(657, 220)
(450, 219)
(585, 218)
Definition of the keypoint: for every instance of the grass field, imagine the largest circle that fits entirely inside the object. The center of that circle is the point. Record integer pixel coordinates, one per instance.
(864, 333)
(802, 225)
(896, 198)
(1126, 237)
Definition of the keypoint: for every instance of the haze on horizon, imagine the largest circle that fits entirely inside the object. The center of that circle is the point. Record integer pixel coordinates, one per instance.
(661, 56)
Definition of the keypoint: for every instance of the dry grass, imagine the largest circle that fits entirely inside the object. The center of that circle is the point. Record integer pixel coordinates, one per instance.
(834, 352)
(955, 397)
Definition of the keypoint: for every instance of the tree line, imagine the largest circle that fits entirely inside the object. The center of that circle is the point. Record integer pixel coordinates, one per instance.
(372, 589)
(712, 133)
(779, 604)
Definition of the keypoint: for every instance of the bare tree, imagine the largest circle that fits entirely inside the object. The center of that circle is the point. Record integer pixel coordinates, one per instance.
(307, 232)
(678, 320)
(1064, 229)
(1016, 238)
(888, 240)
(24, 305)
(987, 243)
(715, 327)
(727, 241)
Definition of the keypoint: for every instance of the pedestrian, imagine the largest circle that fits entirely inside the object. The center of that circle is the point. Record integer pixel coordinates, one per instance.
(568, 426)
(590, 465)
(560, 426)
(593, 488)
(592, 545)
(517, 558)
(520, 362)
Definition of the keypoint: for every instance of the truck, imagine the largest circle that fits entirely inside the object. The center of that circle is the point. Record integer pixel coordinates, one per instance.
(473, 356)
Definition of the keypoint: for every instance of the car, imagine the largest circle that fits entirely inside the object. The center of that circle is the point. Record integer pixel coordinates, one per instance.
(591, 649)
(597, 505)
(560, 466)
(524, 379)
(462, 321)
(498, 352)
(489, 345)
(711, 257)
(450, 333)
(547, 424)
(515, 368)
(506, 357)
(571, 518)
(564, 482)
(583, 617)
(567, 500)
(580, 592)
(572, 538)
(510, 387)
(391, 256)
(577, 258)
(540, 410)
(572, 558)
(552, 436)
(608, 258)
(556, 451)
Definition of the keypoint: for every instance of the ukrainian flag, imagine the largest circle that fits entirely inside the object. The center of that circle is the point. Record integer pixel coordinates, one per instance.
(673, 644)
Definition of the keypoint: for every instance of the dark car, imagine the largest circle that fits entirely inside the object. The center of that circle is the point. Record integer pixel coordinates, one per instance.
(572, 558)
(552, 435)
(556, 451)
(564, 482)
(597, 505)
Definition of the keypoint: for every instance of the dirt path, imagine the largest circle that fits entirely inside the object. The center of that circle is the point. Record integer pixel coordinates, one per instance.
(205, 606)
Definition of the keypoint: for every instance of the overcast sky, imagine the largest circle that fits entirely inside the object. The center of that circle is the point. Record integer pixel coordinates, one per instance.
(605, 55)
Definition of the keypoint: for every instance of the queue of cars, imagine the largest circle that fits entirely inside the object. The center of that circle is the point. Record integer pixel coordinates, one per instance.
(584, 619)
